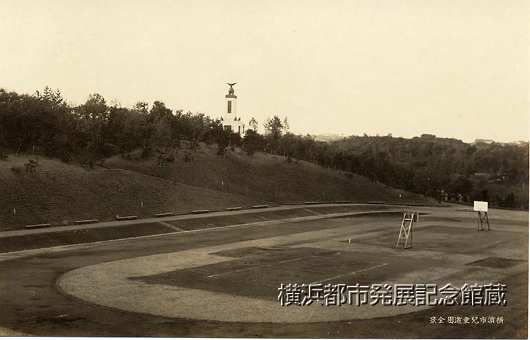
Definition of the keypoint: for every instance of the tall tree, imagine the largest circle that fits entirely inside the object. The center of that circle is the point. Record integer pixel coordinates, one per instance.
(159, 111)
(273, 127)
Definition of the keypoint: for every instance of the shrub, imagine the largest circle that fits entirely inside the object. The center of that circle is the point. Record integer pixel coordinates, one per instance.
(146, 152)
(188, 157)
(16, 169)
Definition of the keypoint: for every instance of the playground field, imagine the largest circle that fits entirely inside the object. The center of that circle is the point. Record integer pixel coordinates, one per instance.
(300, 272)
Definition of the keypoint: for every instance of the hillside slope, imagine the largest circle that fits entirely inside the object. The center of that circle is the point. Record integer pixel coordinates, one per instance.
(59, 193)
(266, 177)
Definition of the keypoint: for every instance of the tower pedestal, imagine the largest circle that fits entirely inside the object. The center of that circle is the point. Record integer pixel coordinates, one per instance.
(231, 121)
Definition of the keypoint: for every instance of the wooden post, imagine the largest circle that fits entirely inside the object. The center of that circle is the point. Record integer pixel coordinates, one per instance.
(483, 221)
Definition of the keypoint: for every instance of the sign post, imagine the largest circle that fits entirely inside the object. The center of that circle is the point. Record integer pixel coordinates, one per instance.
(482, 209)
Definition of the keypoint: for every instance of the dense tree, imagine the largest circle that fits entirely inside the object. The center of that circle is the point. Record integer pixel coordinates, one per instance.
(159, 111)
(274, 128)
(443, 168)
(252, 142)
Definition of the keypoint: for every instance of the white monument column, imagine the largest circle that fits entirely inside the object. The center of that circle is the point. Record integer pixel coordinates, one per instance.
(230, 119)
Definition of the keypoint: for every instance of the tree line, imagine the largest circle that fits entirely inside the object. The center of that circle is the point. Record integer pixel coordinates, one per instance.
(96, 129)
(446, 169)
(442, 168)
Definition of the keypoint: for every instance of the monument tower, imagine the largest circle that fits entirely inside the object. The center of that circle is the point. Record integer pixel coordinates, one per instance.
(230, 119)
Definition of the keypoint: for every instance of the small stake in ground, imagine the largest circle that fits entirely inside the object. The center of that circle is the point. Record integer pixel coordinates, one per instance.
(482, 209)
(405, 233)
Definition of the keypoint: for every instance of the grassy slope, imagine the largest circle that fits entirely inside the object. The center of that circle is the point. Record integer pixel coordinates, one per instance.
(267, 177)
(60, 194)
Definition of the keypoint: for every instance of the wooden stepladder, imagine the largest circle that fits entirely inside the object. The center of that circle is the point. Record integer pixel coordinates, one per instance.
(405, 233)
(483, 221)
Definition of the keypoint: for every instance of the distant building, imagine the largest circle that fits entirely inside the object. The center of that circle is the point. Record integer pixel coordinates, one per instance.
(328, 137)
(231, 121)
(483, 141)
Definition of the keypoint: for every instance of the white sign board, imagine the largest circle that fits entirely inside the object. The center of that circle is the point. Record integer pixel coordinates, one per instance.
(480, 206)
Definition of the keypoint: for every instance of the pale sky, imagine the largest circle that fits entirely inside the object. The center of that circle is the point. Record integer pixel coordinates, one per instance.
(451, 68)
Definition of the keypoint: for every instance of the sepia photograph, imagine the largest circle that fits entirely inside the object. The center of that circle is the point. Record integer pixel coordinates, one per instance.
(349, 169)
